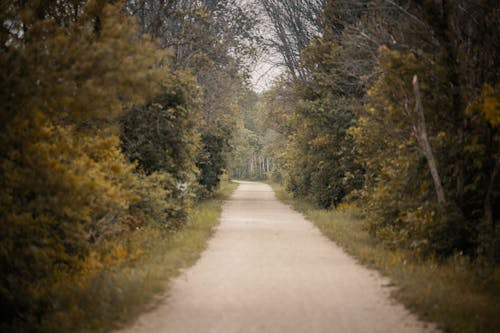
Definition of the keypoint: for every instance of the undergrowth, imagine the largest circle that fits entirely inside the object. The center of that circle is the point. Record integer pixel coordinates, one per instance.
(113, 297)
(458, 295)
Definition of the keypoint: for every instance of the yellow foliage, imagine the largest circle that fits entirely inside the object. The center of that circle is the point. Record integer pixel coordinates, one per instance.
(344, 206)
(65, 185)
(487, 104)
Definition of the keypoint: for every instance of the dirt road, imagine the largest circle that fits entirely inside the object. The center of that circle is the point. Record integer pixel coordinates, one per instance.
(268, 270)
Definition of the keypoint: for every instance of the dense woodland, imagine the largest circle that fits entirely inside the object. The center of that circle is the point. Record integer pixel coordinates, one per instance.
(118, 116)
(392, 106)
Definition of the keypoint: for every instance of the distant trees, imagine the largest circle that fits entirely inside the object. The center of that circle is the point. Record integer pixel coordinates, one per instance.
(320, 164)
(214, 41)
(252, 157)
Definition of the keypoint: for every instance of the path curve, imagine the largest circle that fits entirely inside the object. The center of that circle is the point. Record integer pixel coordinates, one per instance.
(267, 269)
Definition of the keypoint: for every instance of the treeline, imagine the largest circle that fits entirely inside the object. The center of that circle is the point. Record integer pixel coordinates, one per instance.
(393, 105)
(115, 118)
(252, 157)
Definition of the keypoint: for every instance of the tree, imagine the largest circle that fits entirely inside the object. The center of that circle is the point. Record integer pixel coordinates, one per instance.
(442, 62)
(420, 132)
(253, 156)
(422, 157)
(162, 138)
(69, 69)
(293, 24)
(213, 40)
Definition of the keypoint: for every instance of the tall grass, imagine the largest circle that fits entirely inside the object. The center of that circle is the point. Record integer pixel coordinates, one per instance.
(114, 297)
(457, 294)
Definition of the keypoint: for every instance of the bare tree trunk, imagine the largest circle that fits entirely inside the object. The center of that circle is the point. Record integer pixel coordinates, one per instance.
(488, 207)
(424, 144)
(252, 171)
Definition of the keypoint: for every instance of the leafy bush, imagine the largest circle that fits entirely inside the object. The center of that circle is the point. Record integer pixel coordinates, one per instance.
(65, 185)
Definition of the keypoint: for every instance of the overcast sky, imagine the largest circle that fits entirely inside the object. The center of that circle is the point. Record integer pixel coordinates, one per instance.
(265, 69)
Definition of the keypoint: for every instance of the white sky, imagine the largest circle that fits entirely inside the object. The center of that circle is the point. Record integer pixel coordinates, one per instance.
(265, 70)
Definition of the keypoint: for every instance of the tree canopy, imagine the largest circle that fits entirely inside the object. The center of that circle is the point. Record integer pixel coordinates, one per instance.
(396, 110)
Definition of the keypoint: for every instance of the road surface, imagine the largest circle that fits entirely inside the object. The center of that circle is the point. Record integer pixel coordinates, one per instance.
(267, 269)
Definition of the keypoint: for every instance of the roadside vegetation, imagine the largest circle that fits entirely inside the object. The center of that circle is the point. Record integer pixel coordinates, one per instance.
(392, 107)
(112, 134)
(458, 294)
(106, 297)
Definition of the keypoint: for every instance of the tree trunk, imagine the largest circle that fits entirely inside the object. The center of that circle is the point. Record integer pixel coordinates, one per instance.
(488, 207)
(424, 144)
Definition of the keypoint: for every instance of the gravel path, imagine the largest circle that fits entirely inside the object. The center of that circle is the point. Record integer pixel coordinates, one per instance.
(269, 270)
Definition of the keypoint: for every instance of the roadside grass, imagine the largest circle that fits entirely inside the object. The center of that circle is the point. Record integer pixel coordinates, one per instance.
(116, 297)
(457, 295)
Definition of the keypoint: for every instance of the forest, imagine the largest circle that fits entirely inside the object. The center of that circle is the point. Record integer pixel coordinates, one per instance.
(118, 118)
(392, 106)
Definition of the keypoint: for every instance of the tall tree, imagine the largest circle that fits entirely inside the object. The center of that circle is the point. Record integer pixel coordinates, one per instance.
(214, 41)
(424, 155)
(293, 24)
(69, 69)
